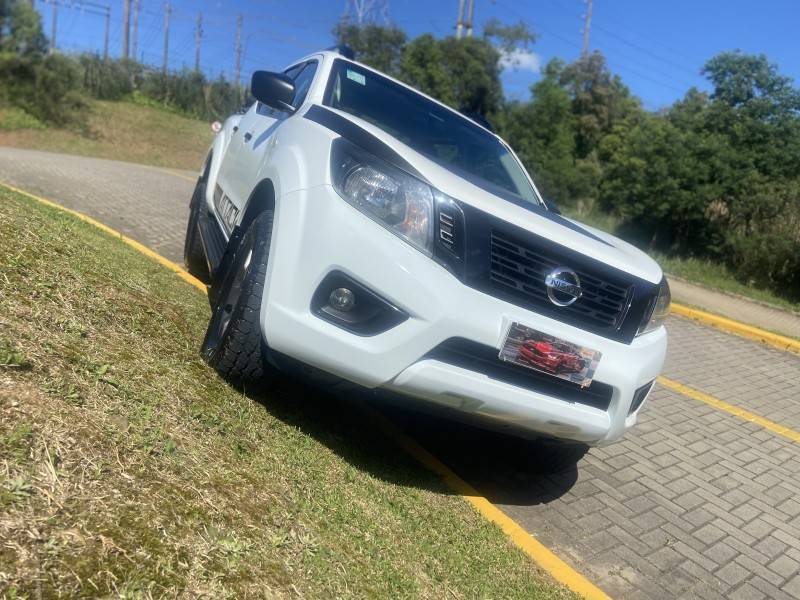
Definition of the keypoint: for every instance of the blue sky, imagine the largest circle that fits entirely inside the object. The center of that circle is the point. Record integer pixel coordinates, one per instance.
(658, 48)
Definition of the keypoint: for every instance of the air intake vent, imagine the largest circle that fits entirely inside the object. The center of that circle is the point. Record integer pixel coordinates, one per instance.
(447, 230)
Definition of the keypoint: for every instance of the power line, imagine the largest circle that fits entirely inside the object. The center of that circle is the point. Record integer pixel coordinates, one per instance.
(574, 44)
(645, 50)
(560, 4)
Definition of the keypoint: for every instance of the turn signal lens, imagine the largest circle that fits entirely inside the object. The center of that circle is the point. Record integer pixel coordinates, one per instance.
(660, 310)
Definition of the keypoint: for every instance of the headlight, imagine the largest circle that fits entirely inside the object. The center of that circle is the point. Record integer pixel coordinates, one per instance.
(655, 317)
(387, 195)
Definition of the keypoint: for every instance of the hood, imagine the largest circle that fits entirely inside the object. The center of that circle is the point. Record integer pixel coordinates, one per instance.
(536, 219)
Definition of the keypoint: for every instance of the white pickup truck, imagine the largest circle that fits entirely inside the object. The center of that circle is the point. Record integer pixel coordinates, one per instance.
(353, 227)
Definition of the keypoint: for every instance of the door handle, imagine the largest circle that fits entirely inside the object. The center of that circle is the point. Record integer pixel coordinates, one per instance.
(247, 137)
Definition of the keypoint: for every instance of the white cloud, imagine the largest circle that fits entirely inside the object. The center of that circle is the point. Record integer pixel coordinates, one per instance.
(520, 59)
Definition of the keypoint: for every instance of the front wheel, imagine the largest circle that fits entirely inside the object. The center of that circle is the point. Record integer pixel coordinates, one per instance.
(193, 256)
(233, 344)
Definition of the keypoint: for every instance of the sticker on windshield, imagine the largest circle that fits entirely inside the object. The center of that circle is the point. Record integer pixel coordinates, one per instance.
(357, 77)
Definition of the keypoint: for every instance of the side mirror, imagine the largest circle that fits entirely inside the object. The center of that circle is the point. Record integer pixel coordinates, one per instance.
(551, 206)
(276, 90)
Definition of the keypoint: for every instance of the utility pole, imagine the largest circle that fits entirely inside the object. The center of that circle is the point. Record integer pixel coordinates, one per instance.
(198, 36)
(54, 4)
(167, 11)
(460, 22)
(586, 26)
(469, 17)
(238, 48)
(105, 36)
(126, 28)
(135, 35)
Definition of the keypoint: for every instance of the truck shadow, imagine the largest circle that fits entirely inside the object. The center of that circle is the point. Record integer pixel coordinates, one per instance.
(503, 468)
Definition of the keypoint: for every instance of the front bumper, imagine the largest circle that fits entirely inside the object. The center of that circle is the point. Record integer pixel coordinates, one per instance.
(316, 232)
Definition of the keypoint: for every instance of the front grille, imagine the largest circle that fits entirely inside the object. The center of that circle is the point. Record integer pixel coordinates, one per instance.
(485, 360)
(519, 267)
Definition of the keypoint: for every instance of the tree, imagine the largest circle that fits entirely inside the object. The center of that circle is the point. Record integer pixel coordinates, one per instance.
(463, 73)
(661, 181)
(21, 29)
(718, 174)
(423, 66)
(599, 100)
(751, 82)
(509, 37)
(374, 45)
(542, 132)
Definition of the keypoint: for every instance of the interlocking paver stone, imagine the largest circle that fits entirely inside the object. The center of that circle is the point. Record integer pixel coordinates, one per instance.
(694, 503)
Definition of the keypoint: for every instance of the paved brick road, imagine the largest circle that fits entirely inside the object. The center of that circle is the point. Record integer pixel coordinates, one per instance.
(145, 203)
(694, 503)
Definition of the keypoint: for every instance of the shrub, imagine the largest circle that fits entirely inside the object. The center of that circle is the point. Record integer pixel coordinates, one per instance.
(109, 79)
(47, 88)
(13, 118)
(769, 259)
(58, 98)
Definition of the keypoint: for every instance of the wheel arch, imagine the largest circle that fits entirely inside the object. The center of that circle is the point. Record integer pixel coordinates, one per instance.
(262, 198)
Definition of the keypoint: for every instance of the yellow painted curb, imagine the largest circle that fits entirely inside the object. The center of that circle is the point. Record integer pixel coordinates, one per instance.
(737, 328)
(545, 558)
(685, 390)
(177, 269)
(170, 172)
(534, 549)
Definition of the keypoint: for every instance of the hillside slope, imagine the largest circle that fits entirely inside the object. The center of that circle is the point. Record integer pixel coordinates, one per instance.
(125, 131)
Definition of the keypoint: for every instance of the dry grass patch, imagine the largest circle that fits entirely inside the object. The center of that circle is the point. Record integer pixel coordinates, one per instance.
(119, 131)
(129, 469)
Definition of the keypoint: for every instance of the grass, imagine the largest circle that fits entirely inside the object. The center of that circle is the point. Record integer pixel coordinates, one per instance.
(129, 469)
(702, 272)
(715, 276)
(129, 131)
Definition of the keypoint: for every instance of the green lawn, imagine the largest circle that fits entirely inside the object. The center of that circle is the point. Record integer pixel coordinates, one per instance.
(129, 469)
(129, 131)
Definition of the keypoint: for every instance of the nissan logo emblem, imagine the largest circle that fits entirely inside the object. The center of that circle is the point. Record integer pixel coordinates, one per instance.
(563, 286)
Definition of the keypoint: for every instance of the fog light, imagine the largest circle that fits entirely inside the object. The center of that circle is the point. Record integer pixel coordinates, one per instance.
(342, 299)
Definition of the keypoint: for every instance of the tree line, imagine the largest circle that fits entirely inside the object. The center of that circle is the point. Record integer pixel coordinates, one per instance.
(714, 176)
(55, 88)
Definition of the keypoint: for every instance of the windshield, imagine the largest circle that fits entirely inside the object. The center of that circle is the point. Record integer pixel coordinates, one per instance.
(445, 137)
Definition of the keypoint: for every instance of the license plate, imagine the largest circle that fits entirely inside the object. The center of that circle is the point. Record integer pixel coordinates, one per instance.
(542, 352)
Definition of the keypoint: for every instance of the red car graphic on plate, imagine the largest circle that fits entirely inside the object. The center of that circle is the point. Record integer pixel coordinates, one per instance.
(551, 357)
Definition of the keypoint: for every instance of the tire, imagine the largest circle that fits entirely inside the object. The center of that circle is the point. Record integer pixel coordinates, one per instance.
(193, 255)
(233, 345)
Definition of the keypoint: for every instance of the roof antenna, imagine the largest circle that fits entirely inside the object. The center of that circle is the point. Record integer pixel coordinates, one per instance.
(344, 50)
